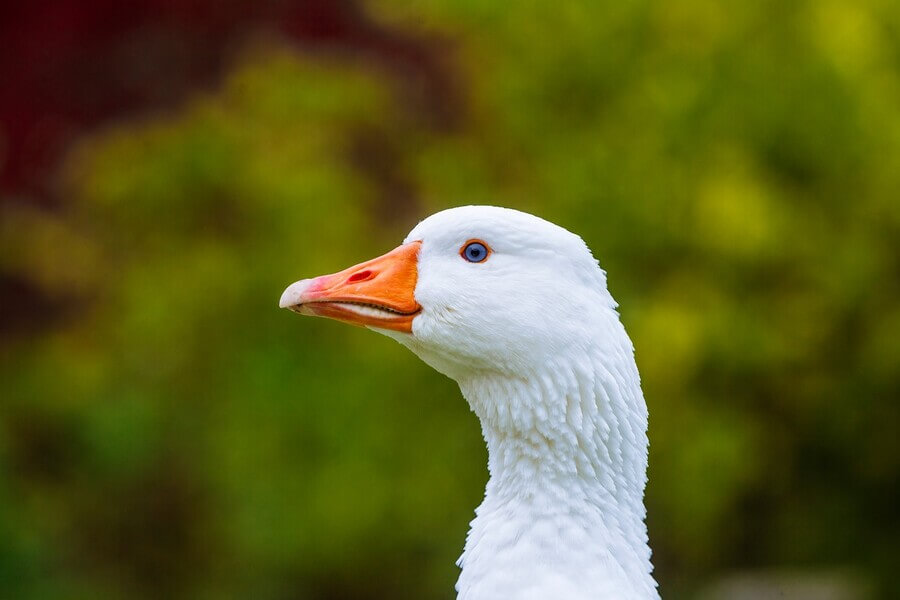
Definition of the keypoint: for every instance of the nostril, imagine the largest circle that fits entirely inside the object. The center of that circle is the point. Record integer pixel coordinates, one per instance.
(360, 276)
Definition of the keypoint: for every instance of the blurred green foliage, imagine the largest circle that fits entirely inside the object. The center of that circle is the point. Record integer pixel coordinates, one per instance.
(734, 166)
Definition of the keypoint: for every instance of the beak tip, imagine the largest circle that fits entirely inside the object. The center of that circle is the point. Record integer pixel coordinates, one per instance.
(293, 294)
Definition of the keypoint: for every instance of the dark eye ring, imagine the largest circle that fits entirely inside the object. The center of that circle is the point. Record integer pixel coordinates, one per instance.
(475, 251)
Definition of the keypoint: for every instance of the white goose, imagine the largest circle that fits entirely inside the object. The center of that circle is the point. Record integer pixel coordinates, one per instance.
(516, 310)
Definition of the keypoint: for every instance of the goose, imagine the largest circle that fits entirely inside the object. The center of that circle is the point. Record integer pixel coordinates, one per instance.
(516, 310)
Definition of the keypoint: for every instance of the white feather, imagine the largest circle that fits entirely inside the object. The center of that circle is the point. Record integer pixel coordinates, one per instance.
(533, 338)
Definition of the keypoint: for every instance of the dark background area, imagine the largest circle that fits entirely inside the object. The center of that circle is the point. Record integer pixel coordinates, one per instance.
(166, 168)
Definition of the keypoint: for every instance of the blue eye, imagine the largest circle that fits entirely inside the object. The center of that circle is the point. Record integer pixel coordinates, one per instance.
(475, 252)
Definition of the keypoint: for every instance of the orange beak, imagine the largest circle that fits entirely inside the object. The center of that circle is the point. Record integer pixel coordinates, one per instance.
(378, 293)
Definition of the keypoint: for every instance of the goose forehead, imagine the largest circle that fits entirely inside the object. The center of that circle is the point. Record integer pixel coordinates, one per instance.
(497, 226)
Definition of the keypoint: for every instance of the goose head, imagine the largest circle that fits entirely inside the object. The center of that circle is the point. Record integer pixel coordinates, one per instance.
(472, 290)
(517, 311)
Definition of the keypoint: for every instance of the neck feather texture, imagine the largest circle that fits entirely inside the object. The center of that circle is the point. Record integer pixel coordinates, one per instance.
(563, 513)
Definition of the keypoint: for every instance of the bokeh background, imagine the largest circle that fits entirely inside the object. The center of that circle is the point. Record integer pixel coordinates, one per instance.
(166, 168)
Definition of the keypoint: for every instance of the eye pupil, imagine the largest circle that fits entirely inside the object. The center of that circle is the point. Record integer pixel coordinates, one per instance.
(475, 252)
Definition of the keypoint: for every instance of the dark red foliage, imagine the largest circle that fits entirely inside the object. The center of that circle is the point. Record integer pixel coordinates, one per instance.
(69, 65)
